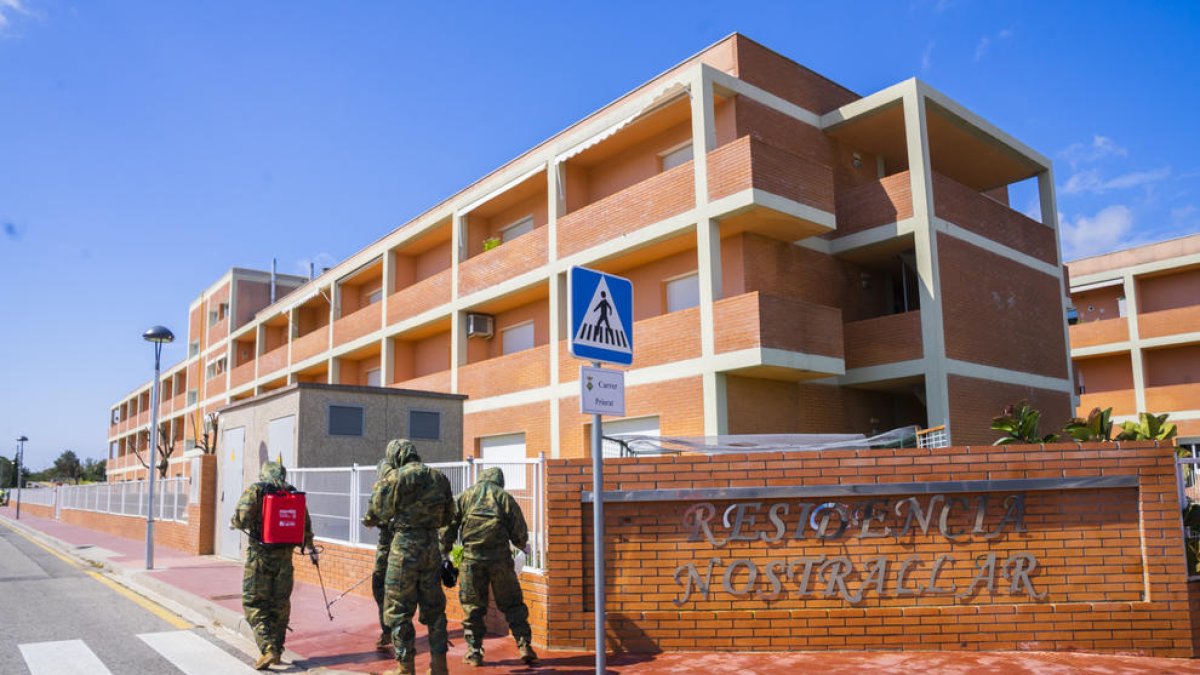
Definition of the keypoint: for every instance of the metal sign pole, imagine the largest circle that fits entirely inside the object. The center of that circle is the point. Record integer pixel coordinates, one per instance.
(598, 535)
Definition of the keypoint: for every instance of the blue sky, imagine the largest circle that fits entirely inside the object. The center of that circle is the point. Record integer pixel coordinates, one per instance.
(146, 147)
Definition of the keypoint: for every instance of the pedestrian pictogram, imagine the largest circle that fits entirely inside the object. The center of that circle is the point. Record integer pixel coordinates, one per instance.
(601, 317)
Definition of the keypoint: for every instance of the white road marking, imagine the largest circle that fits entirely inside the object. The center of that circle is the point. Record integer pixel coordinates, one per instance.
(193, 654)
(68, 657)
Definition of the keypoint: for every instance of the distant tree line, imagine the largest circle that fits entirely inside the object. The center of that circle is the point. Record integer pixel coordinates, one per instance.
(66, 469)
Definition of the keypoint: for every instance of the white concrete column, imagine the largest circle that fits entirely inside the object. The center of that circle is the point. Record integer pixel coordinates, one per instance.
(458, 329)
(334, 370)
(558, 302)
(708, 249)
(933, 337)
(387, 361)
(1049, 208)
(1136, 355)
(388, 285)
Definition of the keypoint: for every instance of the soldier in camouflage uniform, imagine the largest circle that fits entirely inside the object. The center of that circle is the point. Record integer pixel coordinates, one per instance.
(380, 494)
(490, 519)
(420, 504)
(267, 580)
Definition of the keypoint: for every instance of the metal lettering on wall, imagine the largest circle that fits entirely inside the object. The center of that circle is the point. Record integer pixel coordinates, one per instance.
(828, 576)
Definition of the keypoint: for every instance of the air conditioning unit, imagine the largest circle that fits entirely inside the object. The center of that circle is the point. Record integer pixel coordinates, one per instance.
(479, 325)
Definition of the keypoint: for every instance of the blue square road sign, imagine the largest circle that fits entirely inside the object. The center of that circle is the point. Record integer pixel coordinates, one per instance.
(601, 316)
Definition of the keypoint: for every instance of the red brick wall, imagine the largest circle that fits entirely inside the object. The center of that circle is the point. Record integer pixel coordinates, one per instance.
(974, 403)
(1165, 322)
(756, 320)
(357, 324)
(984, 216)
(787, 79)
(747, 163)
(527, 369)
(1128, 596)
(419, 297)
(1022, 324)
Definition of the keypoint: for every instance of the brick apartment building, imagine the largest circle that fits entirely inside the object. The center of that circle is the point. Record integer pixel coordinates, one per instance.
(1135, 333)
(804, 259)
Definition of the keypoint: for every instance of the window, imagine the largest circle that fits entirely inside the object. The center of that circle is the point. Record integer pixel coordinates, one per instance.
(116, 415)
(215, 368)
(193, 348)
(425, 425)
(191, 399)
(683, 292)
(680, 154)
(374, 296)
(113, 450)
(212, 317)
(619, 429)
(510, 232)
(1121, 306)
(507, 448)
(517, 338)
(373, 377)
(345, 420)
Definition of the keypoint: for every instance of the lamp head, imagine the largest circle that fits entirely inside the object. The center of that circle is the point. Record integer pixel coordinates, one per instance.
(22, 439)
(158, 334)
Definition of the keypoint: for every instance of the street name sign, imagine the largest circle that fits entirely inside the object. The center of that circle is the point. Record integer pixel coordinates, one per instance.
(601, 392)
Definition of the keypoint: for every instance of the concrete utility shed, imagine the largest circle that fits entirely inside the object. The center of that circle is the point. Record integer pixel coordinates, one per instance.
(312, 425)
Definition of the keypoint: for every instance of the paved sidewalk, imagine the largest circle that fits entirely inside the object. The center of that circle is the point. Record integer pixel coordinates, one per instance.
(209, 588)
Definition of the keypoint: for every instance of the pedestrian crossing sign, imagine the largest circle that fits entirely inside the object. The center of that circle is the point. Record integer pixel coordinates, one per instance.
(601, 317)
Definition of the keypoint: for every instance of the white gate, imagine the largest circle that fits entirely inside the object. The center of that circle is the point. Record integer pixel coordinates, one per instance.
(229, 542)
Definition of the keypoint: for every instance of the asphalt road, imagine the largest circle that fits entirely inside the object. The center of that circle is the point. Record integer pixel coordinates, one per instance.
(58, 616)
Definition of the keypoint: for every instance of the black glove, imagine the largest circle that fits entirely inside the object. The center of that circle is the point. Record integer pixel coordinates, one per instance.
(449, 574)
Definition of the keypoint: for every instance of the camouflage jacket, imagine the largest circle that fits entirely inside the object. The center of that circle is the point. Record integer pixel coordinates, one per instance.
(247, 516)
(420, 497)
(488, 518)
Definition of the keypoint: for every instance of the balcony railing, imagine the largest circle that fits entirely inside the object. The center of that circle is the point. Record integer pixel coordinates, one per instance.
(1092, 333)
(1169, 322)
(989, 218)
(749, 163)
(1172, 397)
(274, 360)
(1122, 401)
(422, 296)
(884, 339)
(657, 340)
(439, 381)
(755, 320)
(363, 321)
(525, 253)
(241, 375)
(311, 344)
(655, 199)
(888, 200)
(527, 369)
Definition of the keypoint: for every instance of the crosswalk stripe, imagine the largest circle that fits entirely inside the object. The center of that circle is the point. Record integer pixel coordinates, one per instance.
(193, 654)
(68, 657)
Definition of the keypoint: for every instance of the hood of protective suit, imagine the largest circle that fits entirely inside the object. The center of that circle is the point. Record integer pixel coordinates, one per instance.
(408, 452)
(391, 456)
(272, 472)
(492, 475)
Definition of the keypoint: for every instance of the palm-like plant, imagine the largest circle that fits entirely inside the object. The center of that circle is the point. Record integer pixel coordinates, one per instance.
(1149, 427)
(1097, 427)
(1020, 425)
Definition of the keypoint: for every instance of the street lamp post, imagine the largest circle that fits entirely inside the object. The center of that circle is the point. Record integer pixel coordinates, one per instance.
(20, 458)
(158, 335)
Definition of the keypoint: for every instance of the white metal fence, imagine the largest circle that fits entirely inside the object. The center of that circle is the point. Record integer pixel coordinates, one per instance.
(39, 496)
(337, 499)
(130, 498)
(1187, 473)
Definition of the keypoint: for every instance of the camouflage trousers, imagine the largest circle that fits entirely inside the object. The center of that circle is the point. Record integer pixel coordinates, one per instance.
(267, 594)
(379, 573)
(474, 579)
(413, 581)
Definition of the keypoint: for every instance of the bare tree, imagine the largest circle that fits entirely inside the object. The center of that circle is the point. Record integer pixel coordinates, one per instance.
(206, 440)
(166, 448)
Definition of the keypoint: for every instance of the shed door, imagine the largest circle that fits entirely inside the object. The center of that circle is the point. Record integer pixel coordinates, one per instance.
(506, 448)
(281, 441)
(229, 542)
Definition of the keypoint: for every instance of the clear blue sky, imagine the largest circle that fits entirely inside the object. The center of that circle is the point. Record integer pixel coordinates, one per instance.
(146, 147)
